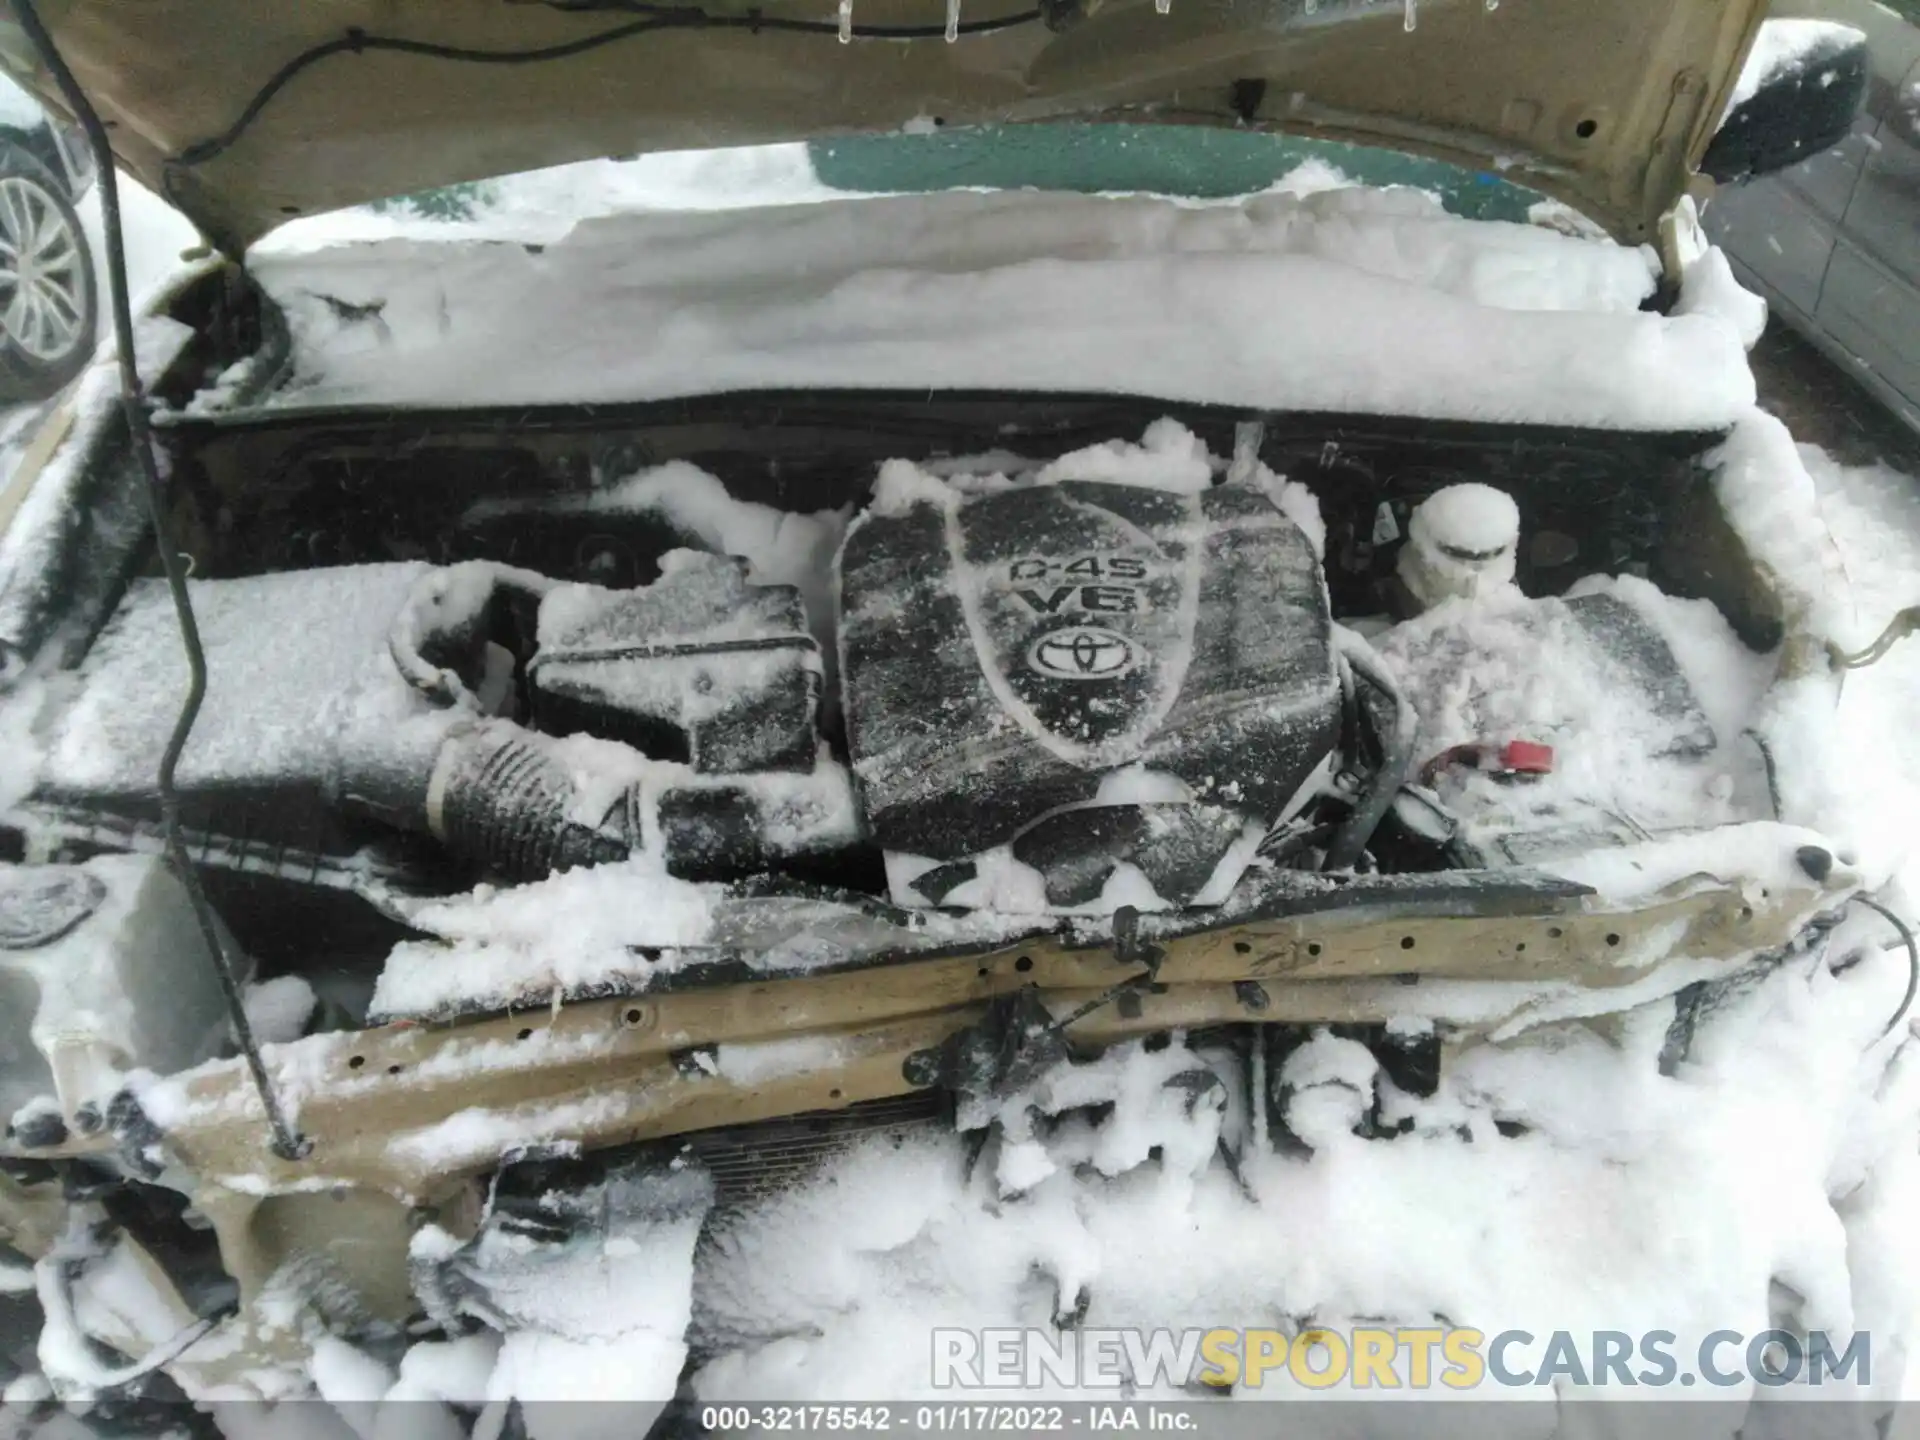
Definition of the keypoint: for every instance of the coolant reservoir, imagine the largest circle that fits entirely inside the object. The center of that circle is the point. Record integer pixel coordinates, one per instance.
(1461, 544)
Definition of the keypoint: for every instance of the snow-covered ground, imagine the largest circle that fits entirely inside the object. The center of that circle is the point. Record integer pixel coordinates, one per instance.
(1559, 1182)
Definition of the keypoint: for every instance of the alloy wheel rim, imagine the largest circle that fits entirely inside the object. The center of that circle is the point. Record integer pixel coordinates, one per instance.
(43, 275)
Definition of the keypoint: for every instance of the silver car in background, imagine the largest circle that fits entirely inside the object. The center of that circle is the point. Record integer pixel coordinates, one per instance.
(49, 312)
(1830, 242)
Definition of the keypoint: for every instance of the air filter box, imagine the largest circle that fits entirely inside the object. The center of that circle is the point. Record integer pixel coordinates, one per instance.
(700, 666)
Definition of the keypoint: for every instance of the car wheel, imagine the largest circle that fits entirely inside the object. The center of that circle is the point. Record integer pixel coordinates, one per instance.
(49, 310)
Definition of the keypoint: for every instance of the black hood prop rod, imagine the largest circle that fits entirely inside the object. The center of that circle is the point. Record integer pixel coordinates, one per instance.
(286, 1142)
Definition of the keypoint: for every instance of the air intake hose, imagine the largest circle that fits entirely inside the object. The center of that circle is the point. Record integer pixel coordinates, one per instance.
(501, 797)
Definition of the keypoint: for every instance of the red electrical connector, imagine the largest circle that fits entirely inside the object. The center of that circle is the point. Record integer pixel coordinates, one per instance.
(1514, 758)
(1526, 757)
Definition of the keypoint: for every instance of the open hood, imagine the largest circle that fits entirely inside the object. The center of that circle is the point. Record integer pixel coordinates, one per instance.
(248, 112)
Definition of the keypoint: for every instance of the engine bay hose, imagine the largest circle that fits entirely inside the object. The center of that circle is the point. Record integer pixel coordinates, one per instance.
(500, 796)
(1397, 752)
(1913, 958)
(1898, 628)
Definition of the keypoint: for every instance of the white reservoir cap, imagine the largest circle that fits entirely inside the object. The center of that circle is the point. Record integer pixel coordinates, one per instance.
(1461, 543)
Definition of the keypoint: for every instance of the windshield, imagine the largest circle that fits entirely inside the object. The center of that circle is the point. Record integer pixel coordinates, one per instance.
(1186, 162)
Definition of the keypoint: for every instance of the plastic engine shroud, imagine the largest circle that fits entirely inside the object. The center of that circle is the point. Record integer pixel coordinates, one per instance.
(1005, 653)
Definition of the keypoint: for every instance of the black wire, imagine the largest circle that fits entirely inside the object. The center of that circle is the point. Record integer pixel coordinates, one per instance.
(1396, 757)
(1773, 773)
(1913, 959)
(655, 17)
(133, 406)
(756, 19)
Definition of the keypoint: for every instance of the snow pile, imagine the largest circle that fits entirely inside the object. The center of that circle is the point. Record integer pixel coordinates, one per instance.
(540, 206)
(1406, 234)
(1344, 300)
(584, 1317)
(755, 1062)
(1169, 457)
(452, 1371)
(278, 1009)
(1867, 784)
(1328, 1088)
(1707, 283)
(1501, 668)
(574, 931)
(1771, 501)
(1559, 1182)
(1707, 287)
(1004, 886)
(1312, 176)
(1832, 747)
(779, 546)
(596, 1305)
(482, 1372)
(1166, 1107)
(1758, 858)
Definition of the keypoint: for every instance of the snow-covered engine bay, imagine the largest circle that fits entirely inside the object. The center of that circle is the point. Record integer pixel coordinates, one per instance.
(760, 778)
(1065, 679)
(1038, 678)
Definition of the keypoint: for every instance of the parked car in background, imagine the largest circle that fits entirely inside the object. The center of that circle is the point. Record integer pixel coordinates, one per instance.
(1830, 241)
(49, 311)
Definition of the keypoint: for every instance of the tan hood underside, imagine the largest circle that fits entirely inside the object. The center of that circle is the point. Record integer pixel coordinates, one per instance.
(1602, 103)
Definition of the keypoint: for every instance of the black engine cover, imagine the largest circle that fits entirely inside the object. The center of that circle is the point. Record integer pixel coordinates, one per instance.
(1004, 652)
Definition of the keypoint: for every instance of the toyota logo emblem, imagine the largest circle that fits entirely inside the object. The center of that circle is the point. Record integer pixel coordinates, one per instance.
(1081, 653)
